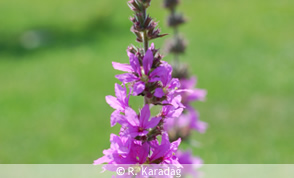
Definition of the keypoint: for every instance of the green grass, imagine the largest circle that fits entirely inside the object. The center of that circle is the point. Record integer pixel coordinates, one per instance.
(52, 106)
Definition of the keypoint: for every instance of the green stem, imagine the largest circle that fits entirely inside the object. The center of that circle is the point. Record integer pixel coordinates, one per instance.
(145, 37)
(146, 45)
(145, 41)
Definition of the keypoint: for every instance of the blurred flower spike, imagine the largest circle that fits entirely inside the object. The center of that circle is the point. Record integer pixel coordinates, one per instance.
(183, 125)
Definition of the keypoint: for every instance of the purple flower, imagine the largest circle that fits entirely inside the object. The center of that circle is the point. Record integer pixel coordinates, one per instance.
(139, 152)
(187, 158)
(169, 84)
(195, 123)
(169, 88)
(170, 111)
(124, 150)
(189, 162)
(138, 75)
(192, 94)
(134, 125)
(120, 102)
(165, 153)
(119, 148)
(188, 121)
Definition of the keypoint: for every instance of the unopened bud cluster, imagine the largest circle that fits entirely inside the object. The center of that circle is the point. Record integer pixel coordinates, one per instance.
(143, 23)
(174, 20)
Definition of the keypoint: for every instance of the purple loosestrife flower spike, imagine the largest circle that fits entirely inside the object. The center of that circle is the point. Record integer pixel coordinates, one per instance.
(146, 75)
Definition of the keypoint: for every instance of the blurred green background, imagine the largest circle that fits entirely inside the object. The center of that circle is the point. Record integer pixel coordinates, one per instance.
(55, 70)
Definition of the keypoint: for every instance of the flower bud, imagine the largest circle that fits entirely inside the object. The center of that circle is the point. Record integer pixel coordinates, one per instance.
(176, 46)
(170, 3)
(134, 6)
(180, 70)
(132, 49)
(175, 20)
(146, 3)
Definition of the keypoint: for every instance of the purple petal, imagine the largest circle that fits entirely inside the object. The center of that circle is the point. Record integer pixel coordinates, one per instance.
(197, 94)
(165, 139)
(144, 116)
(122, 67)
(200, 126)
(154, 79)
(195, 122)
(113, 137)
(135, 63)
(116, 117)
(120, 92)
(175, 145)
(138, 88)
(174, 83)
(103, 159)
(173, 148)
(159, 152)
(147, 61)
(176, 101)
(176, 113)
(169, 124)
(162, 149)
(140, 152)
(159, 93)
(153, 122)
(134, 131)
(127, 77)
(143, 152)
(132, 117)
(166, 73)
(152, 46)
(184, 91)
(115, 141)
(158, 72)
(113, 102)
(154, 144)
(184, 120)
(188, 83)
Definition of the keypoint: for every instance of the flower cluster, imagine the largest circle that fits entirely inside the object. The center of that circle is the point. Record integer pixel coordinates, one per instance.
(137, 141)
(148, 76)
